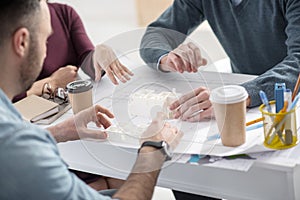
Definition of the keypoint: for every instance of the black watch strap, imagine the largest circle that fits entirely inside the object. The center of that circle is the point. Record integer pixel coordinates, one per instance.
(162, 146)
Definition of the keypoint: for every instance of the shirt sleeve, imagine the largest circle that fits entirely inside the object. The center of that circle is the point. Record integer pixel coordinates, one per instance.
(287, 70)
(88, 65)
(80, 39)
(170, 30)
(35, 170)
(19, 97)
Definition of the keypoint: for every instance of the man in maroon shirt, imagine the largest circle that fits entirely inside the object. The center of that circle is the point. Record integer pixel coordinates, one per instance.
(69, 48)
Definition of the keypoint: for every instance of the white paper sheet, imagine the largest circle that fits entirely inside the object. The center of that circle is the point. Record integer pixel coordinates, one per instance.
(126, 129)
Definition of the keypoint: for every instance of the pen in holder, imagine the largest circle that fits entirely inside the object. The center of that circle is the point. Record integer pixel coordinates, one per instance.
(280, 129)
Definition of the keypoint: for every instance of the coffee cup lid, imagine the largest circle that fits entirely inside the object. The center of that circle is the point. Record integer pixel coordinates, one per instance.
(79, 86)
(228, 94)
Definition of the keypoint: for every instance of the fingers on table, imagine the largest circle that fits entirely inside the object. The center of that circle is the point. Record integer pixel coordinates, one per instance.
(120, 71)
(192, 103)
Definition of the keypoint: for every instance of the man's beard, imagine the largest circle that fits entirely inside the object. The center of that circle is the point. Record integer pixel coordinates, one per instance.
(31, 68)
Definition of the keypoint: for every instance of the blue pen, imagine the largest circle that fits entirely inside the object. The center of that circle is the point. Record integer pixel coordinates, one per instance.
(288, 96)
(265, 100)
(279, 125)
(293, 105)
(253, 127)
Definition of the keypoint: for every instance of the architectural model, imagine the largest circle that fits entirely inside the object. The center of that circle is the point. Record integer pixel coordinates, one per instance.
(146, 103)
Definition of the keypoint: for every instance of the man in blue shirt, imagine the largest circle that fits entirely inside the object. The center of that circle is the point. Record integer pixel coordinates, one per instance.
(31, 167)
(260, 37)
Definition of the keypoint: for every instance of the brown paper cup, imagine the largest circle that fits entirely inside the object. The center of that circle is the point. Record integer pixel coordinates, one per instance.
(229, 103)
(80, 95)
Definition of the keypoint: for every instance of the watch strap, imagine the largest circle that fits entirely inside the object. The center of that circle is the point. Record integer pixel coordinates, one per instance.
(161, 145)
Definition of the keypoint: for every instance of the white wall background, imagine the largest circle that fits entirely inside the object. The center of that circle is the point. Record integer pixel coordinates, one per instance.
(105, 18)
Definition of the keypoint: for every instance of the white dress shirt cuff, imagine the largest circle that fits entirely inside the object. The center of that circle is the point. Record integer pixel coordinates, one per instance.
(158, 63)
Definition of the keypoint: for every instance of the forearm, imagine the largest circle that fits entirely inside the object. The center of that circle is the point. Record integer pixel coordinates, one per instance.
(288, 69)
(153, 46)
(135, 187)
(285, 72)
(37, 87)
(60, 132)
(87, 65)
(140, 183)
(170, 30)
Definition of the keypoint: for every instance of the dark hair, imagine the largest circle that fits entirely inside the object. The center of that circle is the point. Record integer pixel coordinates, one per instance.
(15, 14)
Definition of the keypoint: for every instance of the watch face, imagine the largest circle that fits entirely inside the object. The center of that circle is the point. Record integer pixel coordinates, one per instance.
(167, 151)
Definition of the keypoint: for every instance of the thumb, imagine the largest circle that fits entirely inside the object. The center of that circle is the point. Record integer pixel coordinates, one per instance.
(72, 67)
(203, 62)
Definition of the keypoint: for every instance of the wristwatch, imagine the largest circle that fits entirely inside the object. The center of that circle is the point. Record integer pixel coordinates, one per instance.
(162, 146)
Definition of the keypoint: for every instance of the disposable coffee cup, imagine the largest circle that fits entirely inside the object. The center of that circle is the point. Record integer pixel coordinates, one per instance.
(80, 95)
(229, 103)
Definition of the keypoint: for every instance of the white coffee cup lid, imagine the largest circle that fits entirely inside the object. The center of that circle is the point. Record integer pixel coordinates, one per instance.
(228, 94)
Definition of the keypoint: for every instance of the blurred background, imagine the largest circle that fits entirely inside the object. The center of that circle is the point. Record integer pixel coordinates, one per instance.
(104, 19)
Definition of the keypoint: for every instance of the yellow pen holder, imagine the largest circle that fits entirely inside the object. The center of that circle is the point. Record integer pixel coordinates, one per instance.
(280, 129)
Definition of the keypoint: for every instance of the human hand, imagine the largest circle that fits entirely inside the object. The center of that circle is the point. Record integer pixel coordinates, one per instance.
(75, 127)
(193, 106)
(105, 59)
(159, 130)
(59, 78)
(186, 57)
(63, 76)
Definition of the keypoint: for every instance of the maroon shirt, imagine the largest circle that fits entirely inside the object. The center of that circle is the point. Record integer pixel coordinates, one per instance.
(68, 45)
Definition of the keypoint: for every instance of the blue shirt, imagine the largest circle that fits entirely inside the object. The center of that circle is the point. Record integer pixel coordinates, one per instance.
(261, 37)
(30, 164)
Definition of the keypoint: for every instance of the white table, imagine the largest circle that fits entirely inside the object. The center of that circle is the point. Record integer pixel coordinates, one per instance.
(265, 180)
